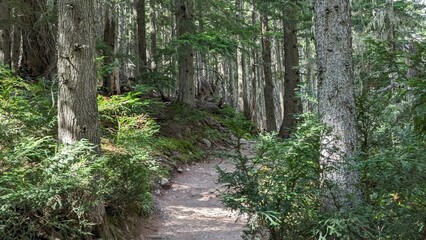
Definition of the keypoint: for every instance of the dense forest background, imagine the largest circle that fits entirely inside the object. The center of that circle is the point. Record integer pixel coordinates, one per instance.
(101, 99)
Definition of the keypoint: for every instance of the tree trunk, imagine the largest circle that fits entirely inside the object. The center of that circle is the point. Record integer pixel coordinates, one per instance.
(185, 27)
(240, 60)
(292, 104)
(336, 99)
(16, 47)
(310, 80)
(38, 45)
(153, 34)
(267, 72)
(5, 39)
(109, 39)
(77, 106)
(140, 8)
(126, 44)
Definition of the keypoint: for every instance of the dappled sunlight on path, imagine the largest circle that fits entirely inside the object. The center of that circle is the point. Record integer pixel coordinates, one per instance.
(191, 208)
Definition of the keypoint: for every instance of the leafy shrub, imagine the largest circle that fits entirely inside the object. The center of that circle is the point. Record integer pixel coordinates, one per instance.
(394, 184)
(237, 123)
(49, 194)
(129, 166)
(277, 188)
(25, 109)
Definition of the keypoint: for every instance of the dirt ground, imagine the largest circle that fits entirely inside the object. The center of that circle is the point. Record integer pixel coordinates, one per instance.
(191, 209)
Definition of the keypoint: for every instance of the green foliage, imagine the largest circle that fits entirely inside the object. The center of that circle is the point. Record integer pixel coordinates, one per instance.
(214, 42)
(127, 183)
(278, 187)
(129, 167)
(46, 193)
(179, 150)
(394, 183)
(158, 81)
(392, 164)
(237, 123)
(119, 109)
(25, 109)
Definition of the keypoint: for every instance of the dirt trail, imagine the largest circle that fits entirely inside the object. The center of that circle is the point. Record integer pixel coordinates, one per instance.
(191, 208)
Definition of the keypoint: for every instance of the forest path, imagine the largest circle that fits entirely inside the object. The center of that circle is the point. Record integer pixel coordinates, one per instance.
(191, 208)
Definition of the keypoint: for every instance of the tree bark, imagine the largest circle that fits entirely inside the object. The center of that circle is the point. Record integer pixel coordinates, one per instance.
(38, 45)
(267, 73)
(240, 60)
(5, 34)
(185, 27)
(292, 104)
(140, 8)
(336, 99)
(153, 34)
(77, 106)
(16, 47)
(109, 80)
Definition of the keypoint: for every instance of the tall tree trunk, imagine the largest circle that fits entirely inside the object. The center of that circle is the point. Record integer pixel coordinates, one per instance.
(16, 47)
(77, 106)
(153, 34)
(310, 80)
(140, 8)
(292, 104)
(240, 60)
(38, 48)
(109, 39)
(5, 34)
(126, 44)
(254, 65)
(267, 72)
(185, 27)
(336, 99)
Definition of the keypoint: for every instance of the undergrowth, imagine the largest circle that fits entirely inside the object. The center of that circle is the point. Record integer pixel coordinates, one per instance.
(52, 191)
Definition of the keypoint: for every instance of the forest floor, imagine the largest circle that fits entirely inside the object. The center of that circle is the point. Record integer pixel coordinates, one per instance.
(190, 209)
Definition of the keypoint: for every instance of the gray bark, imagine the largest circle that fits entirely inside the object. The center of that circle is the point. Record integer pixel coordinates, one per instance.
(240, 61)
(126, 44)
(185, 27)
(77, 106)
(336, 98)
(16, 47)
(140, 8)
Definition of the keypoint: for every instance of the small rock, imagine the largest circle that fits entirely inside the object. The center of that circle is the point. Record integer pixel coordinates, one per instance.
(157, 192)
(179, 170)
(165, 183)
(206, 142)
(233, 138)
